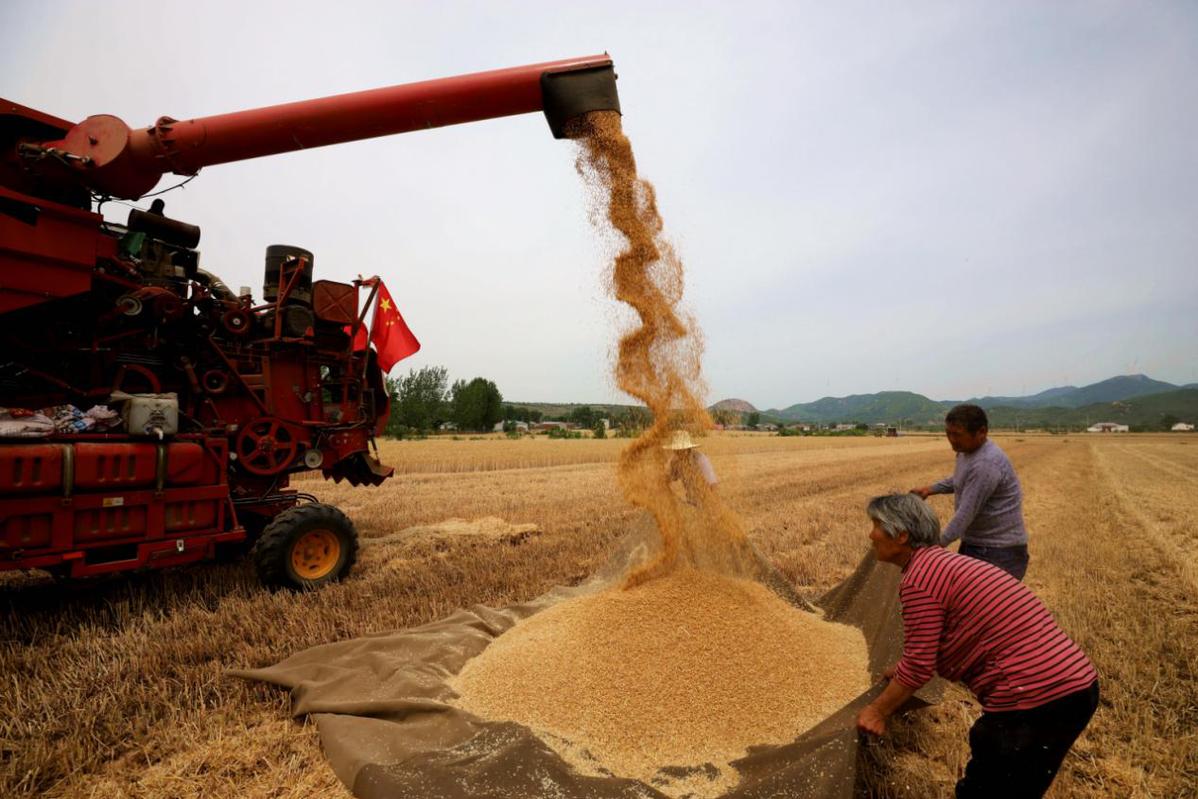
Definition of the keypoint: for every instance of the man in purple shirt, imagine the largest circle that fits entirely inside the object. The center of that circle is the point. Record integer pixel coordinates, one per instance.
(987, 497)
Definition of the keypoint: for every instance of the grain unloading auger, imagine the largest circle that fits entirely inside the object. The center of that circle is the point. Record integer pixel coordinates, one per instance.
(221, 398)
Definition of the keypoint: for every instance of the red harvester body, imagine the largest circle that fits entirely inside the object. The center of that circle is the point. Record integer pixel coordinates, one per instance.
(222, 398)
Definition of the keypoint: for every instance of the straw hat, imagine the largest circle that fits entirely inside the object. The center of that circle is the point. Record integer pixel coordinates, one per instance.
(680, 440)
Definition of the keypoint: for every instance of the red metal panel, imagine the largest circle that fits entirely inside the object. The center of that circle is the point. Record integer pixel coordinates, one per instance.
(49, 259)
(291, 378)
(155, 555)
(9, 108)
(28, 531)
(190, 515)
(190, 464)
(29, 539)
(114, 467)
(123, 521)
(30, 468)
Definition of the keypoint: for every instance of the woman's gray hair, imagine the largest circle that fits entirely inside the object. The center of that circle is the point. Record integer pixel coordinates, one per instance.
(897, 513)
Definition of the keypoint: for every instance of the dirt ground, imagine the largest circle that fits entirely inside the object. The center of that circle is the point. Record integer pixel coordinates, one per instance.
(117, 689)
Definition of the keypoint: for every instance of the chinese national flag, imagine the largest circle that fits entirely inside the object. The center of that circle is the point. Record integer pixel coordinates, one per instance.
(388, 332)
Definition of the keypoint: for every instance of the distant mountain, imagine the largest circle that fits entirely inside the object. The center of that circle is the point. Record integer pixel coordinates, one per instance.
(734, 405)
(1147, 412)
(1110, 390)
(916, 409)
(1115, 389)
(885, 406)
(1131, 399)
(1052, 396)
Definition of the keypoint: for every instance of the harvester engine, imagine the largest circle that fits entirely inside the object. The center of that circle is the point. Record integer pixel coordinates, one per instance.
(151, 416)
(212, 403)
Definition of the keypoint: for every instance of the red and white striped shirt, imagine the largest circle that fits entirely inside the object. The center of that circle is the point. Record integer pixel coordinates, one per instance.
(968, 620)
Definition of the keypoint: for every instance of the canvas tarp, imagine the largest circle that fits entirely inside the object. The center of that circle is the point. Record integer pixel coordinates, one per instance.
(381, 706)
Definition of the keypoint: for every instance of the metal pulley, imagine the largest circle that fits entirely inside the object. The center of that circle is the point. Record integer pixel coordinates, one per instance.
(163, 304)
(215, 381)
(238, 321)
(128, 304)
(266, 446)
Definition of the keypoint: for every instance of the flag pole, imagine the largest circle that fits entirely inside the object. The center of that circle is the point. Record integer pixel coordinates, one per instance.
(373, 282)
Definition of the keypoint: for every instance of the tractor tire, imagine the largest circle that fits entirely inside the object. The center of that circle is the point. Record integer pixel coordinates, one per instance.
(306, 547)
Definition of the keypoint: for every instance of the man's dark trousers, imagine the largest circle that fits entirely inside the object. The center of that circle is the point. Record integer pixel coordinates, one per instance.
(1012, 560)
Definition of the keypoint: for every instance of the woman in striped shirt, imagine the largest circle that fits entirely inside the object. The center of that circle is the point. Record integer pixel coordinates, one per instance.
(970, 621)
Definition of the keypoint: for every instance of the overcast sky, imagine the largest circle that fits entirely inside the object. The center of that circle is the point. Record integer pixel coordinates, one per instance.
(951, 198)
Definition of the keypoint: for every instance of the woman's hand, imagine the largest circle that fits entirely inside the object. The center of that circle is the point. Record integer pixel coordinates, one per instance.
(871, 720)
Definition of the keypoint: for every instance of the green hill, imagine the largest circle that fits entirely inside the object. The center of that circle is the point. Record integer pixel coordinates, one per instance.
(1144, 413)
(1134, 400)
(1112, 389)
(885, 406)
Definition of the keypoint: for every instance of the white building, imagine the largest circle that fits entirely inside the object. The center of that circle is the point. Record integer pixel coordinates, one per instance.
(1107, 427)
(1182, 427)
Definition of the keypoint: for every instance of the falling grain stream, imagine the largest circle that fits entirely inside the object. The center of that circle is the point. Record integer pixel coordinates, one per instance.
(676, 670)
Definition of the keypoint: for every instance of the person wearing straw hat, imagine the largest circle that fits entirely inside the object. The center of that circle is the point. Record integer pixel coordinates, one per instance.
(689, 466)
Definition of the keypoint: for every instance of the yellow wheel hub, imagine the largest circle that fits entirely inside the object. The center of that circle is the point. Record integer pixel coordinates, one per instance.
(315, 554)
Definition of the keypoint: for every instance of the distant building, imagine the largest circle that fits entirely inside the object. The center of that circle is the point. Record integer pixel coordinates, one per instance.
(519, 427)
(841, 427)
(551, 426)
(1182, 427)
(1108, 427)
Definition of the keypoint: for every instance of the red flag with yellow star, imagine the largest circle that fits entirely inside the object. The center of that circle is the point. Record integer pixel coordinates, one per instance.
(389, 333)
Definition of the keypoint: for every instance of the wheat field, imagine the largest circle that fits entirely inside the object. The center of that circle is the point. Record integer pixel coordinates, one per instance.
(118, 689)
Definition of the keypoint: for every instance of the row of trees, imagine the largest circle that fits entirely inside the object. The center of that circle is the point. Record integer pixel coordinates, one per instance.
(423, 400)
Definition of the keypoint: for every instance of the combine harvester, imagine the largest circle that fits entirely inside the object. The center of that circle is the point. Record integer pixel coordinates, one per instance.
(221, 399)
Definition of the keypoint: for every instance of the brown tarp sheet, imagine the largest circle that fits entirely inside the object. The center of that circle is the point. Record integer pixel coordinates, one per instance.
(381, 707)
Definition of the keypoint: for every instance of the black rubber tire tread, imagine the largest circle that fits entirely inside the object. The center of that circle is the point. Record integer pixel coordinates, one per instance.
(271, 552)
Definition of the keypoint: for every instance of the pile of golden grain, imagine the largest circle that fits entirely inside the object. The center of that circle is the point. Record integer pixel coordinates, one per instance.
(684, 670)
